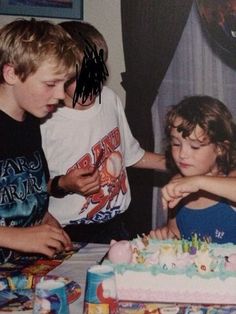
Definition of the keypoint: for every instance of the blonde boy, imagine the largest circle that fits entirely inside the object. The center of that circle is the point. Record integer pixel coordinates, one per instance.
(36, 59)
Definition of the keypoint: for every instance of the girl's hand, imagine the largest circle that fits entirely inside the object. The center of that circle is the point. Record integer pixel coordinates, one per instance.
(177, 189)
(162, 233)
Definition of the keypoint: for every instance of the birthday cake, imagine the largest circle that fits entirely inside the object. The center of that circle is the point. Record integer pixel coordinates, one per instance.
(176, 271)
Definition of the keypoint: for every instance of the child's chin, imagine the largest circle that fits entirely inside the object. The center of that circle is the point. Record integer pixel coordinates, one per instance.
(187, 172)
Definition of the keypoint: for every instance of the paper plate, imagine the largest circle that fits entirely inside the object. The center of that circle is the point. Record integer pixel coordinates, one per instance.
(16, 292)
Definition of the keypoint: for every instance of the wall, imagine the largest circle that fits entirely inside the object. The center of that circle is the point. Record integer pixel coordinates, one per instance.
(105, 15)
(109, 24)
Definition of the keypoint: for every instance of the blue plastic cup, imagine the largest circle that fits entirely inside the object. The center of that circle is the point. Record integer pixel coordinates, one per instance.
(50, 297)
(100, 292)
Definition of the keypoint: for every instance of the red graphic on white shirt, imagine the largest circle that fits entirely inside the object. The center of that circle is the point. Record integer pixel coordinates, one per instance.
(112, 172)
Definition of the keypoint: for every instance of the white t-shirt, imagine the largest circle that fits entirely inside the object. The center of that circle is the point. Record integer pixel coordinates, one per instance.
(73, 138)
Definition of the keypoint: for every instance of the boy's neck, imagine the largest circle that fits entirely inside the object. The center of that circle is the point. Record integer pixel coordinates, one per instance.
(7, 106)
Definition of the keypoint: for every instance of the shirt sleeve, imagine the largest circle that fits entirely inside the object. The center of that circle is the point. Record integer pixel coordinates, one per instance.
(132, 150)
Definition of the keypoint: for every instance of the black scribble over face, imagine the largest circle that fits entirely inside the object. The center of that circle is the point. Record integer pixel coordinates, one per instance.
(93, 74)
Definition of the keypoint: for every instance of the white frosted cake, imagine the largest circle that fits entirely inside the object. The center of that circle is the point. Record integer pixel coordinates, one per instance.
(174, 271)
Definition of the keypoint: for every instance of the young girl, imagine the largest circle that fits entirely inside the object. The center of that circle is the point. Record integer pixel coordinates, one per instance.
(201, 152)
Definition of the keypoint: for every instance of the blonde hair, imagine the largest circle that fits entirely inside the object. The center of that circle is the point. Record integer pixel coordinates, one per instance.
(25, 44)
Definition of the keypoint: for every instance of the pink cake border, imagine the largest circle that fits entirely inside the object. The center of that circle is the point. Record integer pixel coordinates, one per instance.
(184, 297)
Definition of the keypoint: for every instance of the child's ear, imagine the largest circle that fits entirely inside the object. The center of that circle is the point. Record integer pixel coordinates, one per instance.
(222, 148)
(9, 74)
(219, 151)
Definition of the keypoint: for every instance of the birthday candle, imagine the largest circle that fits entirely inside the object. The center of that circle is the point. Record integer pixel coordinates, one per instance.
(195, 240)
(185, 246)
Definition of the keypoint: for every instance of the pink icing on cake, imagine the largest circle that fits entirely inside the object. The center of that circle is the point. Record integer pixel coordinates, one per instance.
(176, 271)
(120, 252)
(230, 263)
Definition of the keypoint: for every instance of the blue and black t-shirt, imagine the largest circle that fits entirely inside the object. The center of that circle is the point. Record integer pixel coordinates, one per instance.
(23, 175)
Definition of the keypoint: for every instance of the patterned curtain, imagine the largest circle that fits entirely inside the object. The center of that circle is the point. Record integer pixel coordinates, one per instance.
(199, 66)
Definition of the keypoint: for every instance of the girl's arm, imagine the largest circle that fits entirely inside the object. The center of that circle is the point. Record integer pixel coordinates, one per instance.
(179, 188)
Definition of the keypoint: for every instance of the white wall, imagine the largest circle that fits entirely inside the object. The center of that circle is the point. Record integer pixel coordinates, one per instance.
(105, 15)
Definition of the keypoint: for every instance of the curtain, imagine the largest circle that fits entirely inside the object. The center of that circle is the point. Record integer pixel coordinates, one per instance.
(198, 67)
(151, 31)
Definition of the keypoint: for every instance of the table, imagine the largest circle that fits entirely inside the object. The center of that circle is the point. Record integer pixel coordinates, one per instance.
(76, 266)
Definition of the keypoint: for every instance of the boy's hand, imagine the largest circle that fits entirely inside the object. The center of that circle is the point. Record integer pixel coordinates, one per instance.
(177, 189)
(43, 239)
(84, 181)
(52, 221)
(48, 219)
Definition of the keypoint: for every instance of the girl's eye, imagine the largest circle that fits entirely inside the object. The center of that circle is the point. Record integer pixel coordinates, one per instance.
(195, 147)
(51, 84)
(175, 144)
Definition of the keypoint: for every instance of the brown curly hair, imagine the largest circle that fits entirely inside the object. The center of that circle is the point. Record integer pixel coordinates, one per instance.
(216, 121)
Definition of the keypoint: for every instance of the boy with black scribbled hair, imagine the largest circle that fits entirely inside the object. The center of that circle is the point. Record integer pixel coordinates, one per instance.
(90, 138)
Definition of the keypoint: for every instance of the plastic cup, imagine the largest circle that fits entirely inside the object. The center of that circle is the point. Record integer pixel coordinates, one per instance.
(50, 297)
(100, 292)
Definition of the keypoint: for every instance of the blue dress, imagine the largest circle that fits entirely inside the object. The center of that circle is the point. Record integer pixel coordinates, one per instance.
(216, 223)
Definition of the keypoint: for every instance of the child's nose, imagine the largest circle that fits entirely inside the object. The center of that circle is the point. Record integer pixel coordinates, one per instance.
(60, 92)
(183, 153)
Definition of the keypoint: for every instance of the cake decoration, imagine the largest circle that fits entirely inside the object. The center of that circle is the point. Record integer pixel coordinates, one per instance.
(167, 256)
(188, 271)
(120, 252)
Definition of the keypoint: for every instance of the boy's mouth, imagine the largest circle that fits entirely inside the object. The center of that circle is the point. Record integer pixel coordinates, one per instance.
(52, 108)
